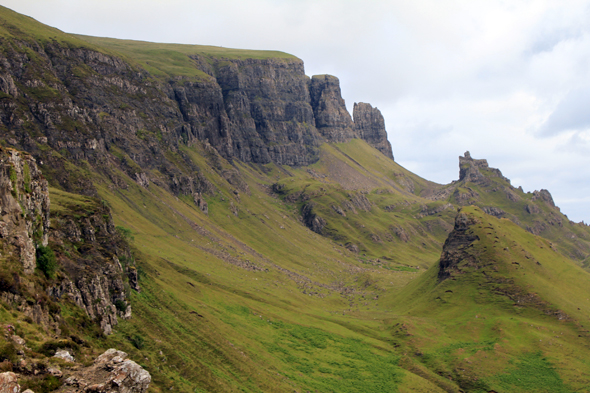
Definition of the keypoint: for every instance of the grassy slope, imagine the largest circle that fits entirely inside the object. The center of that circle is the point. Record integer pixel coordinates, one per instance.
(315, 316)
(571, 239)
(385, 184)
(487, 340)
(15, 25)
(172, 60)
(307, 319)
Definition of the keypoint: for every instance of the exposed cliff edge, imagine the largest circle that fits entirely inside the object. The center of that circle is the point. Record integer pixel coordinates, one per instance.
(84, 245)
(332, 119)
(370, 126)
(24, 207)
(255, 110)
(87, 103)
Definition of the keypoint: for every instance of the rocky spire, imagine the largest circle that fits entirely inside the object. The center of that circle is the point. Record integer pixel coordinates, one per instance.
(332, 119)
(471, 170)
(369, 125)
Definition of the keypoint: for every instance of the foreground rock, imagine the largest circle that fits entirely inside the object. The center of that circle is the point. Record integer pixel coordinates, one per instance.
(111, 372)
(9, 383)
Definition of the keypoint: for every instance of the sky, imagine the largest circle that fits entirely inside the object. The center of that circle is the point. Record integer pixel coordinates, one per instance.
(507, 80)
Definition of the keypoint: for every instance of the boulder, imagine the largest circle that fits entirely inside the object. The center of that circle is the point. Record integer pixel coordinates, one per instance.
(111, 372)
(65, 355)
(9, 383)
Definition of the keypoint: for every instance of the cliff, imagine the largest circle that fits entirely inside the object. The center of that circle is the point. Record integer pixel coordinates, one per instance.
(332, 119)
(86, 248)
(96, 104)
(24, 206)
(370, 126)
(486, 187)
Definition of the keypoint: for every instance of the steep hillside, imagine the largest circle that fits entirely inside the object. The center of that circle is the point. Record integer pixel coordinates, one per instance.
(223, 219)
(501, 311)
(536, 212)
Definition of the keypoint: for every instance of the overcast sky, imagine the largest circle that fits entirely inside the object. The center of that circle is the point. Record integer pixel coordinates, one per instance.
(507, 80)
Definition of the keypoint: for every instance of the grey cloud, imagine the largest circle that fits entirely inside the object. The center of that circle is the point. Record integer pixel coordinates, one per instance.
(571, 114)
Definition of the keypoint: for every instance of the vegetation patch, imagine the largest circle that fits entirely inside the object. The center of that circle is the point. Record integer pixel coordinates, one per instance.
(532, 373)
(46, 261)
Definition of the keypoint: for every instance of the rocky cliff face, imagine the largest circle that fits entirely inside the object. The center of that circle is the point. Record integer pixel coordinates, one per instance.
(370, 126)
(334, 123)
(95, 262)
(92, 106)
(268, 107)
(83, 236)
(454, 253)
(332, 119)
(24, 207)
(110, 372)
(470, 170)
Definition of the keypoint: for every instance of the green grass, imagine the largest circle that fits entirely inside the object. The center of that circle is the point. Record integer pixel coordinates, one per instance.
(295, 286)
(173, 60)
(483, 332)
(532, 373)
(259, 302)
(289, 317)
(15, 25)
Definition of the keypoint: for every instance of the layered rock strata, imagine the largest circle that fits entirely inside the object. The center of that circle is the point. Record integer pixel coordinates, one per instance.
(94, 107)
(24, 206)
(369, 126)
(332, 120)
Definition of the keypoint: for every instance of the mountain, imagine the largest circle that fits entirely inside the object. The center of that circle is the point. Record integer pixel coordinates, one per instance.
(222, 218)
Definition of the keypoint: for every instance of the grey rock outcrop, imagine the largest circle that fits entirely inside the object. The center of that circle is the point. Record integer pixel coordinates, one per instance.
(111, 372)
(94, 284)
(335, 124)
(9, 383)
(311, 219)
(360, 201)
(24, 205)
(454, 250)
(96, 294)
(494, 211)
(332, 120)
(470, 170)
(544, 196)
(268, 108)
(64, 355)
(369, 125)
